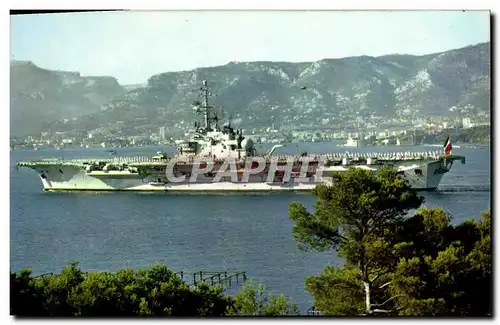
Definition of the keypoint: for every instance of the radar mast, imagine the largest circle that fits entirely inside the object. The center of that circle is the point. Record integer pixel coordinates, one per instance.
(209, 112)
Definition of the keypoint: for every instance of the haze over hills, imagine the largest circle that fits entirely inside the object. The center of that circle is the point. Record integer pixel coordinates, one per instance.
(259, 93)
(39, 96)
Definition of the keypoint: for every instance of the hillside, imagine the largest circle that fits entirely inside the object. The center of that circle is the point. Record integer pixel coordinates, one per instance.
(261, 93)
(39, 96)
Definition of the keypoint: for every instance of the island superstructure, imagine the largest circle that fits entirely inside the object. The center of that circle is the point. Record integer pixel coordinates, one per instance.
(217, 145)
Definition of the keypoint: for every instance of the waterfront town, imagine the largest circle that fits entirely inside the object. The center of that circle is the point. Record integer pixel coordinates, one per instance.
(357, 134)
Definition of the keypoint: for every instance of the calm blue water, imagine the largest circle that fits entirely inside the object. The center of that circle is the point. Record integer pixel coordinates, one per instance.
(250, 233)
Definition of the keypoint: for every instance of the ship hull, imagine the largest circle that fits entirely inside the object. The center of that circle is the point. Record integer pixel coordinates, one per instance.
(425, 176)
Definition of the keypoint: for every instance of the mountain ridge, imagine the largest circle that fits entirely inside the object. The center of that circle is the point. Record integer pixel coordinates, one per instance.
(39, 96)
(340, 89)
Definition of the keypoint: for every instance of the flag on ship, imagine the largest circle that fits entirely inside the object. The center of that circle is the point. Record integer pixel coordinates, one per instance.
(447, 146)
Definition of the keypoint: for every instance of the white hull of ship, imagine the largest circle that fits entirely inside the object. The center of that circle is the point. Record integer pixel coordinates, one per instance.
(73, 178)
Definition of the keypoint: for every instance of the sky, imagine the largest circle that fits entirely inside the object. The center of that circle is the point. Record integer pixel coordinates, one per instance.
(133, 46)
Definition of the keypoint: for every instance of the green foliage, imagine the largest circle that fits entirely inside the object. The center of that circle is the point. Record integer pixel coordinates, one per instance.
(440, 270)
(251, 302)
(449, 272)
(155, 291)
(58, 291)
(358, 217)
(24, 298)
(337, 291)
(394, 264)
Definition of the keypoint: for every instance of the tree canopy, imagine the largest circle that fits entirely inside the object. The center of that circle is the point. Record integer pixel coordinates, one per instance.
(251, 302)
(394, 264)
(154, 291)
(357, 216)
(444, 269)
